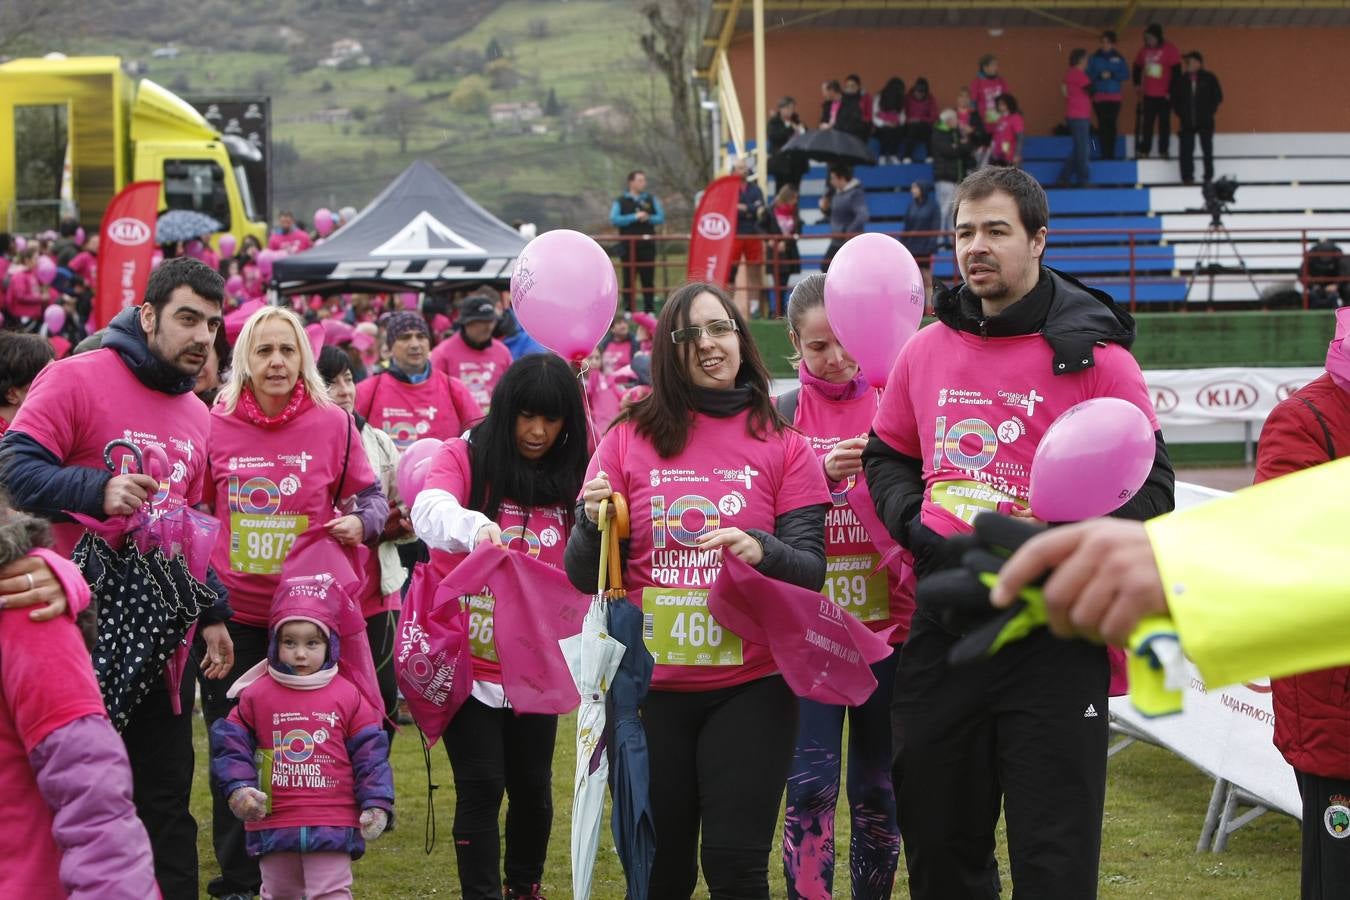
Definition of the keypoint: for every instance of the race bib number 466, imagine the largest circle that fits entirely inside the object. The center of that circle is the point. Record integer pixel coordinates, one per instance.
(679, 631)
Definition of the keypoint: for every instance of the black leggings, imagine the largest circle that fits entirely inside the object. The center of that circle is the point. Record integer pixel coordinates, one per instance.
(495, 752)
(380, 631)
(719, 762)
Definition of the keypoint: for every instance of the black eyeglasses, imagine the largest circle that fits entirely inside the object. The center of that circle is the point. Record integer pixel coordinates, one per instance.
(716, 328)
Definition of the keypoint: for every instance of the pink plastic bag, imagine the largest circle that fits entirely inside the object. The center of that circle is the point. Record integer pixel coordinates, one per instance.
(823, 653)
(536, 607)
(432, 662)
(337, 571)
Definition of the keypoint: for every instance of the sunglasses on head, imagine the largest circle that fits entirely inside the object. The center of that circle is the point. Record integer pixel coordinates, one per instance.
(716, 328)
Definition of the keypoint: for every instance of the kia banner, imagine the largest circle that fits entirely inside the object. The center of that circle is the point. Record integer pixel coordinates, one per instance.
(126, 243)
(715, 231)
(1206, 396)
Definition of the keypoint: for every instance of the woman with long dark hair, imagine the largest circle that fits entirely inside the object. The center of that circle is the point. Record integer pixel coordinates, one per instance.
(511, 483)
(889, 115)
(709, 467)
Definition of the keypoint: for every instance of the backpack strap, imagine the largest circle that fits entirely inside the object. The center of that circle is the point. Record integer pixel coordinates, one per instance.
(787, 404)
(1326, 431)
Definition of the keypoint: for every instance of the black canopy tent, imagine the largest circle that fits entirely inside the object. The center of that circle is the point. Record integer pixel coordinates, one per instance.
(421, 234)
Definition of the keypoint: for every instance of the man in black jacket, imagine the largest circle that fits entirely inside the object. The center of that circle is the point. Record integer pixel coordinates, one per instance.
(1196, 96)
(969, 399)
(136, 389)
(783, 126)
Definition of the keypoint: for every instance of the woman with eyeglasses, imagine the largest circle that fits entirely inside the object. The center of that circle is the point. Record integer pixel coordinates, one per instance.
(834, 408)
(708, 467)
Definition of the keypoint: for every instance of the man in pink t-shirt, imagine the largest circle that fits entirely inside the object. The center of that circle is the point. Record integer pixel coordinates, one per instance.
(967, 403)
(289, 238)
(472, 355)
(1155, 65)
(69, 450)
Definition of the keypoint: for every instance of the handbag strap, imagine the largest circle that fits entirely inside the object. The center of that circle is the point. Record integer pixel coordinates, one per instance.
(346, 457)
(1326, 431)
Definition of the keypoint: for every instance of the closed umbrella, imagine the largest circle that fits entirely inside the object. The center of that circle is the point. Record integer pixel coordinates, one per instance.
(593, 657)
(184, 225)
(830, 145)
(630, 766)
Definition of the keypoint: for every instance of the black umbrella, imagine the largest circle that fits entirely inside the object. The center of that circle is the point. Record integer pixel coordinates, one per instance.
(830, 145)
(629, 766)
(145, 605)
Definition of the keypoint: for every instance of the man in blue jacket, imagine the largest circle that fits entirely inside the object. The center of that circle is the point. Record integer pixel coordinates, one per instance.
(636, 214)
(1108, 71)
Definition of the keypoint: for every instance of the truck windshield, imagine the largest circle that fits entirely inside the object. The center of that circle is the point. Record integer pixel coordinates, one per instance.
(40, 143)
(245, 192)
(198, 185)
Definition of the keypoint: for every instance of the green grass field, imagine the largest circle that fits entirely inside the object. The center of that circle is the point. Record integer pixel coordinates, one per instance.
(1155, 807)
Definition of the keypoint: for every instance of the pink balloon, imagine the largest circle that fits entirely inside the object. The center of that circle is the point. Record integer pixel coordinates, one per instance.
(265, 260)
(54, 316)
(235, 285)
(156, 258)
(409, 300)
(1092, 459)
(228, 245)
(79, 236)
(46, 269)
(874, 301)
(323, 221)
(20, 243)
(564, 292)
(413, 467)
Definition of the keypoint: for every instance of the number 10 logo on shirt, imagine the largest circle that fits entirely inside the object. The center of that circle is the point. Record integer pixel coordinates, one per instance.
(245, 498)
(969, 444)
(672, 521)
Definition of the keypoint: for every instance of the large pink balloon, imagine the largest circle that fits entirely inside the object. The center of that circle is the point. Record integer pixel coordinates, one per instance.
(20, 243)
(54, 317)
(46, 270)
(413, 467)
(80, 236)
(264, 261)
(323, 221)
(234, 285)
(564, 292)
(228, 245)
(1091, 461)
(874, 301)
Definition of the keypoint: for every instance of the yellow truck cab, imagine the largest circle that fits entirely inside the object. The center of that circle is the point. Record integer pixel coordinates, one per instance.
(75, 131)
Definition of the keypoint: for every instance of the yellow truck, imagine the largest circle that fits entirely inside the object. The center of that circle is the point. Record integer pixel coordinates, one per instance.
(75, 131)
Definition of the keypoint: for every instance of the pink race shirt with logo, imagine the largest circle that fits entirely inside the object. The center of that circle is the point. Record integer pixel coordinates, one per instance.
(440, 407)
(852, 551)
(985, 92)
(616, 355)
(271, 485)
(540, 531)
(78, 405)
(309, 778)
(478, 370)
(974, 411)
(724, 478)
(1155, 64)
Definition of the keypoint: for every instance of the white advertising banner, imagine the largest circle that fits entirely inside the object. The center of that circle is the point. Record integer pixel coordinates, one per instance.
(1206, 396)
(1225, 731)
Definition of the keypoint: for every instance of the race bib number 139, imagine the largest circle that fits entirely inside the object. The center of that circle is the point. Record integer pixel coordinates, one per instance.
(679, 631)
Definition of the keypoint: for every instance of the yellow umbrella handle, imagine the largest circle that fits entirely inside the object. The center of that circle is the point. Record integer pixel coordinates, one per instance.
(619, 528)
(604, 546)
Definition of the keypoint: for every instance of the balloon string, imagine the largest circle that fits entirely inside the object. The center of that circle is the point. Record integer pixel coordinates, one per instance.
(593, 439)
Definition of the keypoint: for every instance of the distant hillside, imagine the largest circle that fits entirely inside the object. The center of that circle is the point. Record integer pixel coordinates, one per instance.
(509, 99)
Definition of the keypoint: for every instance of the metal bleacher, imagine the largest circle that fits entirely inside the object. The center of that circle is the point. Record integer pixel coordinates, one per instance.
(1137, 232)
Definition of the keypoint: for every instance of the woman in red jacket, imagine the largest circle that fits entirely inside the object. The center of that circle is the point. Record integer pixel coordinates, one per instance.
(1312, 715)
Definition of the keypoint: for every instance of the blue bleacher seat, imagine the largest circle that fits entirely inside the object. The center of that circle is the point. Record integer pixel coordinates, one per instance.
(891, 176)
(1147, 229)
(1045, 146)
(1096, 201)
(1090, 260)
(1172, 290)
(1112, 171)
(888, 205)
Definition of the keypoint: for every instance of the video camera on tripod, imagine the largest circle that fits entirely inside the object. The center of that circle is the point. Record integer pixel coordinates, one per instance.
(1219, 194)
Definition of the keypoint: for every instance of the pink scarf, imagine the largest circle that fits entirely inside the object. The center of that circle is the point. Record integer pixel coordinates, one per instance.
(849, 390)
(310, 682)
(1338, 354)
(251, 411)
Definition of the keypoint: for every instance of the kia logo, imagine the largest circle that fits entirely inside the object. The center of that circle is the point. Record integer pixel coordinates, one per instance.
(1165, 400)
(714, 226)
(1227, 395)
(129, 232)
(1286, 390)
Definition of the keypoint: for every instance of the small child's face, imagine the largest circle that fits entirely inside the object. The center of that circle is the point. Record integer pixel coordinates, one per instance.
(302, 646)
(619, 329)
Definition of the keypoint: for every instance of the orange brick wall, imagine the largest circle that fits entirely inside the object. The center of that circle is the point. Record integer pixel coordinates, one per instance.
(1274, 79)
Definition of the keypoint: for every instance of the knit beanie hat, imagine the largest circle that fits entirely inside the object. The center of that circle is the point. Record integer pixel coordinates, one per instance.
(402, 322)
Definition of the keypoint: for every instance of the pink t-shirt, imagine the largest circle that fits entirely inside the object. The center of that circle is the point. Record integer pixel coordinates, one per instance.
(723, 478)
(25, 297)
(984, 92)
(1156, 64)
(46, 682)
(851, 551)
(478, 370)
(294, 241)
(1077, 100)
(310, 775)
(616, 355)
(71, 411)
(975, 410)
(1006, 132)
(271, 485)
(604, 400)
(440, 407)
(540, 531)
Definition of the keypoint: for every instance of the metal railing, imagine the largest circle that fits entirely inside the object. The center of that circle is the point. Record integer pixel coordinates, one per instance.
(1149, 268)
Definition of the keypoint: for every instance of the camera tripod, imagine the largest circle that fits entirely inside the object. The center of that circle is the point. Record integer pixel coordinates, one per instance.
(1208, 263)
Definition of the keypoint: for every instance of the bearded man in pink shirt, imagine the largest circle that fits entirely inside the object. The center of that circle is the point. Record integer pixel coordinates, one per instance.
(967, 403)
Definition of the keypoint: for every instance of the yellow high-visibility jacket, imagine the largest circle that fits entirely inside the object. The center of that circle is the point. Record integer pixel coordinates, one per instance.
(1258, 583)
